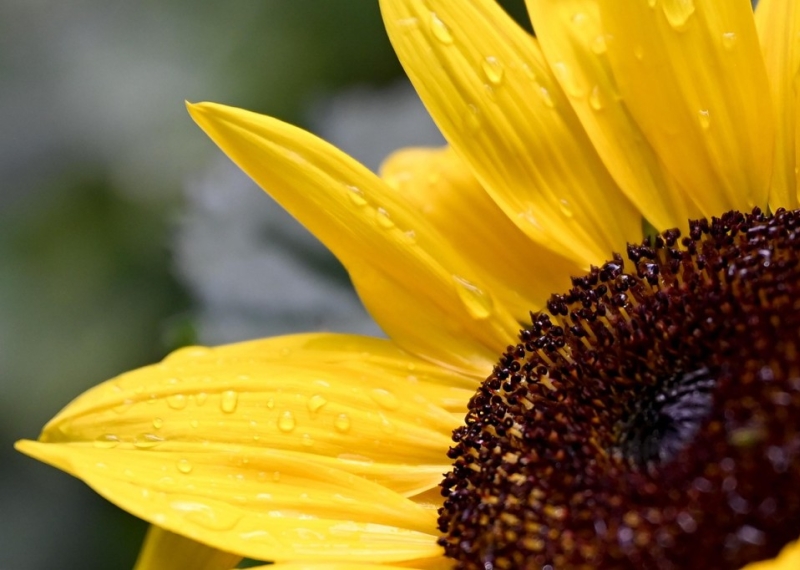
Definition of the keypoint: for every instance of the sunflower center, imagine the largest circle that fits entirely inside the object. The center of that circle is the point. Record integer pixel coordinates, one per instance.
(649, 419)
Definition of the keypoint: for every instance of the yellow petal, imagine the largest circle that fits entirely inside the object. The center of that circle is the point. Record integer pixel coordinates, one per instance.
(163, 549)
(788, 559)
(573, 41)
(691, 75)
(488, 88)
(439, 563)
(778, 25)
(301, 447)
(440, 187)
(417, 288)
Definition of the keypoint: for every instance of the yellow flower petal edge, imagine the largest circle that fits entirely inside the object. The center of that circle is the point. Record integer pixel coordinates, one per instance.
(788, 559)
(573, 41)
(439, 563)
(692, 76)
(304, 446)
(438, 309)
(163, 549)
(441, 188)
(778, 25)
(488, 88)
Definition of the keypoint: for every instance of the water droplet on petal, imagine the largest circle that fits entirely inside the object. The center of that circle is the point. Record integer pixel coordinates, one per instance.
(545, 96)
(472, 119)
(306, 439)
(638, 53)
(384, 220)
(595, 99)
(677, 12)
(729, 40)
(565, 208)
(705, 118)
(200, 398)
(184, 466)
(229, 401)
(158, 423)
(286, 422)
(478, 303)
(315, 403)
(493, 70)
(270, 403)
(147, 440)
(440, 30)
(652, 3)
(598, 44)
(356, 195)
(342, 423)
(567, 79)
(194, 423)
(177, 401)
(106, 441)
(385, 399)
(386, 425)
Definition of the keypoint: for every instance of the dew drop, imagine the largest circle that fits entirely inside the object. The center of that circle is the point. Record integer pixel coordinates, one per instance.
(595, 99)
(342, 423)
(184, 466)
(229, 401)
(384, 220)
(729, 40)
(158, 423)
(677, 12)
(567, 79)
(565, 208)
(440, 30)
(408, 23)
(356, 195)
(147, 440)
(315, 403)
(386, 425)
(545, 96)
(307, 440)
(270, 403)
(177, 401)
(472, 119)
(652, 3)
(493, 70)
(286, 422)
(200, 398)
(638, 53)
(478, 303)
(106, 441)
(598, 45)
(194, 423)
(385, 399)
(705, 118)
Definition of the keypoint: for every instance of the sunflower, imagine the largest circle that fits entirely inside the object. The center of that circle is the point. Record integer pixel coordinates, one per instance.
(643, 416)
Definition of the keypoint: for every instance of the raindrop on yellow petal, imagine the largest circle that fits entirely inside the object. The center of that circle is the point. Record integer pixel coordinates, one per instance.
(677, 12)
(493, 70)
(595, 99)
(478, 303)
(106, 441)
(565, 208)
(342, 423)
(384, 220)
(229, 401)
(705, 118)
(385, 399)
(184, 466)
(315, 403)
(729, 40)
(545, 96)
(177, 401)
(286, 422)
(356, 196)
(147, 440)
(200, 398)
(158, 423)
(598, 45)
(472, 119)
(307, 440)
(440, 30)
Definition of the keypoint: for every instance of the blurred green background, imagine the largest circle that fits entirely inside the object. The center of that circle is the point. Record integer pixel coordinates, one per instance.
(113, 250)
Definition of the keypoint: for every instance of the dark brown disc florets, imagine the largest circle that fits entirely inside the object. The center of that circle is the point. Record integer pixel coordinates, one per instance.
(650, 419)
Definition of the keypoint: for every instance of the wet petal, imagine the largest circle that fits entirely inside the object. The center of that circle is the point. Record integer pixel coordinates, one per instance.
(691, 75)
(271, 449)
(487, 86)
(419, 290)
(521, 273)
(163, 549)
(778, 25)
(439, 563)
(573, 41)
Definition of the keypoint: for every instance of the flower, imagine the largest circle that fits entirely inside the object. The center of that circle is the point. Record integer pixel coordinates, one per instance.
(325, 450)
